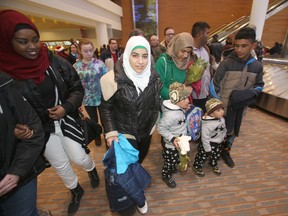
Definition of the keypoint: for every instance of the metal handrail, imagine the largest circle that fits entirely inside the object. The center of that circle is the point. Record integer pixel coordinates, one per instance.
(223, 27)
(232, 27)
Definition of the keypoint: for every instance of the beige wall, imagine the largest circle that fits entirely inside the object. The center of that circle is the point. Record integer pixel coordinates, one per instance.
(67, 34)
(59, 34)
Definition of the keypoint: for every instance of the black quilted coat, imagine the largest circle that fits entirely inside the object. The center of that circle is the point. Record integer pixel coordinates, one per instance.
(128, 113)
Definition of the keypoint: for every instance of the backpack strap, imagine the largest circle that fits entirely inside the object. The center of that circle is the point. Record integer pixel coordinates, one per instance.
(212, 90)
(244, 76)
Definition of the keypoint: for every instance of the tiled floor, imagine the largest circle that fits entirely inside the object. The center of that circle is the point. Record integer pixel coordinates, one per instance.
(257, 185)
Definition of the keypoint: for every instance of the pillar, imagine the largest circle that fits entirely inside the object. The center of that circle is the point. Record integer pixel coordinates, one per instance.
(101, 34)
(284, 53)
(258, 16)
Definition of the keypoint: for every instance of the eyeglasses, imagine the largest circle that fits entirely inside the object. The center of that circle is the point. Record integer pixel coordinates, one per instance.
(170, 34)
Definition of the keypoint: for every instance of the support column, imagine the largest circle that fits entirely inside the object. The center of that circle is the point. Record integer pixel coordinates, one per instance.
(101, 34)
(284, 53)
(258, 16)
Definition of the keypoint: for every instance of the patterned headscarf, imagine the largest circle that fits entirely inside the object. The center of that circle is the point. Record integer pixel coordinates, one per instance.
(12, 63)
(140, 80)
(178, 43)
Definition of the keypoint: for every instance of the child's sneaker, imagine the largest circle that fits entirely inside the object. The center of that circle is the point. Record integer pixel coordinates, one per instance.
(216, 170)
(169, 181)
(198, 172)
(144, 209)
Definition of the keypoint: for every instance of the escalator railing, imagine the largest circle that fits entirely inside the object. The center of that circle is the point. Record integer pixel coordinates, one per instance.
(224, 27)
(243, 21)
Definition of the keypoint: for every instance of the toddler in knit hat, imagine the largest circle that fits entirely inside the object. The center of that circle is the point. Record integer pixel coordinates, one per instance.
(213, 105)
(213, 133)
(178, 92)
(172, 125)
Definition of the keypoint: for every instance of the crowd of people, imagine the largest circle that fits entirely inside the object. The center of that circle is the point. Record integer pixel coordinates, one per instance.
(132, 92)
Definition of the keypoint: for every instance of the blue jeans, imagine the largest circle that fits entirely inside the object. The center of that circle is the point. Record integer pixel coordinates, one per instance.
(22, 202)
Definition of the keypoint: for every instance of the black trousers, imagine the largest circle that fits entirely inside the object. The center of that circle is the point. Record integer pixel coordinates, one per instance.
(142, 145)
(92, 112)
(233, 120)
(200, 103)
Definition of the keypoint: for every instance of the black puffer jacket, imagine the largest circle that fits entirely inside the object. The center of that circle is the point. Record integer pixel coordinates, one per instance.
(69, 86)
(126, 112)
(18, 157)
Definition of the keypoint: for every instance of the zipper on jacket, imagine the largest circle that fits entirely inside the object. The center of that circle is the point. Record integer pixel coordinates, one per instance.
(246, 80)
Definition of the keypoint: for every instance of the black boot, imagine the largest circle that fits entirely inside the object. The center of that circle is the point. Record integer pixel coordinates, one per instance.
(225, 154)
(98, 141)
(94, 178)
(77, 194)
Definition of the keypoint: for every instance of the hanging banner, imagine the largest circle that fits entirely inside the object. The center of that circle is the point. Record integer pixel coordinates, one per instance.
(145, 16)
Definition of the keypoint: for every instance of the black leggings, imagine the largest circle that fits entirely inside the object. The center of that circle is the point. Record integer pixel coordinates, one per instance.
(92, 112)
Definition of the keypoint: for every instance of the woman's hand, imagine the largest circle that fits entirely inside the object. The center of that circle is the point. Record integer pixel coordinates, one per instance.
(111, 139)
(23, 132)
(56, 112)
(8, 183)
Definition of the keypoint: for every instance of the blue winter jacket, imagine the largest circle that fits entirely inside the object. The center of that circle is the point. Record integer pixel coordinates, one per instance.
(133, 181)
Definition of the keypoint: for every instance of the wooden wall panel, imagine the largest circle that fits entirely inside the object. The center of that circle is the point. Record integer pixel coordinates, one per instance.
(275, 28)
(181, 14)
(215, 13)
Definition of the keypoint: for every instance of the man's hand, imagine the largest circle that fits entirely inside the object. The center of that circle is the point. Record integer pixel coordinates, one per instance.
(8, 183)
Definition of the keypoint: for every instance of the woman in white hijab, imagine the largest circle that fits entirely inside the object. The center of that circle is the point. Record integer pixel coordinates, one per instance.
(131, 98)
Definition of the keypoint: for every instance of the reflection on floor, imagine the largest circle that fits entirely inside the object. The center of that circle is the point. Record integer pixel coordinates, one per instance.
(257, 185)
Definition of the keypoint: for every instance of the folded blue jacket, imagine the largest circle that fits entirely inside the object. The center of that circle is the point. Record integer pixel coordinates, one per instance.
(125, 155)
(135, 178)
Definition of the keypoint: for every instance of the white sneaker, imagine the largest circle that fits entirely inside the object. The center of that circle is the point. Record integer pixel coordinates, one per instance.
(144, 209)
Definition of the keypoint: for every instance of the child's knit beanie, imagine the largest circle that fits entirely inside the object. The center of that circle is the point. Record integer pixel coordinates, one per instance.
(212, 105)
(178, 92)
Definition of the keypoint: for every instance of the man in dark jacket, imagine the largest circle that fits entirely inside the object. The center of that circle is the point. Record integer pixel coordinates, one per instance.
(242, 72)
(111, 52)
(20, 160)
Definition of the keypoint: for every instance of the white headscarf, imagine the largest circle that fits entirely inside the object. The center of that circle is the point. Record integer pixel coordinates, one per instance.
(139, 80)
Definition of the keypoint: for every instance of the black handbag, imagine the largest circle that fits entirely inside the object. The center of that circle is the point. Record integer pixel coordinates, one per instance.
(90, 128)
